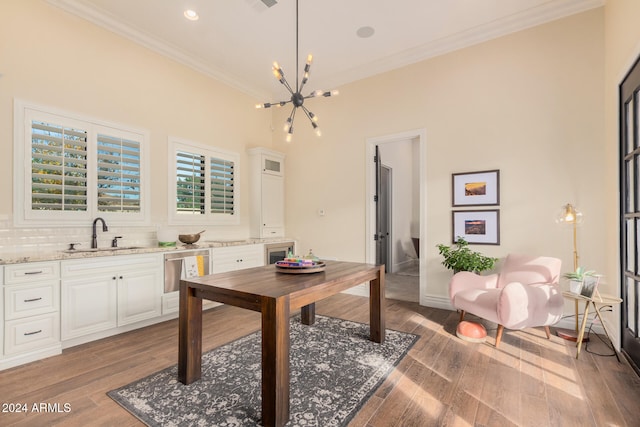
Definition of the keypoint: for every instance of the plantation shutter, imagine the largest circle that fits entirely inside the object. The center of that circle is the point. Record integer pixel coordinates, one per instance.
(190, 194)
(58, 167)
(118, 162)
(222, 186)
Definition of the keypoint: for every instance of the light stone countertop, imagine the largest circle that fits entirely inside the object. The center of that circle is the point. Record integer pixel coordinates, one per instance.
(19, 258)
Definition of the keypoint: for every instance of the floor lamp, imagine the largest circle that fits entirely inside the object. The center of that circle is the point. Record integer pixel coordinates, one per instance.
(570, 216)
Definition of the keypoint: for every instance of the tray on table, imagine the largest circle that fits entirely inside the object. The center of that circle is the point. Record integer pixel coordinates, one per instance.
(316, 267)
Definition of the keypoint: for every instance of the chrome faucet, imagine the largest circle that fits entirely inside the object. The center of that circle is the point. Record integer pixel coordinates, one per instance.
(94, 240)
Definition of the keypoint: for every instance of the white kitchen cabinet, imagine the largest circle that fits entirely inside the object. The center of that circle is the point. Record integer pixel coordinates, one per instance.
(109, 292)
(89, 304)
(139, 297)
(30, 312)
(232, 258)
(267, 193)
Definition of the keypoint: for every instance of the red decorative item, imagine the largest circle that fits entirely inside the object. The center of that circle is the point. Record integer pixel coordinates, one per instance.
(471, 331)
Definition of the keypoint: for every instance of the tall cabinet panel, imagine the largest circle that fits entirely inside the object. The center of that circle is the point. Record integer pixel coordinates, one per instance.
(267, 193)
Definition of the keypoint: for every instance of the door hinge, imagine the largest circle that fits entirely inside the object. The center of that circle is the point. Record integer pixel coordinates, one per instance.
(375, 236)
(375, 159)
(375, 198)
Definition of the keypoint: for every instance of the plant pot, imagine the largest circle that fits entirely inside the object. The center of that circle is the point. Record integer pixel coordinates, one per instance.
(575, 286)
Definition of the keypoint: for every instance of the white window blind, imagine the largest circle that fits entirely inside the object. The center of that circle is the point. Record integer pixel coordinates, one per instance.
(203, 187)
(190, 185)
(222, 186)
(118, 174)
(73, 169)
(58, 167)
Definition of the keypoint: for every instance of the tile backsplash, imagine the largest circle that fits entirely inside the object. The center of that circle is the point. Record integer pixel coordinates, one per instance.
(37, 240)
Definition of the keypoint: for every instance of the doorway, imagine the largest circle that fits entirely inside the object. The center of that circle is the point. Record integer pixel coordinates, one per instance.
(407, 210)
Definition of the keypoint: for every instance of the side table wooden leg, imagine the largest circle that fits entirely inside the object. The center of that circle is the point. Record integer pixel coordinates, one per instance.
(275, 361)
(584, 324)
(377, 307)
(189, 336)
(605, 330)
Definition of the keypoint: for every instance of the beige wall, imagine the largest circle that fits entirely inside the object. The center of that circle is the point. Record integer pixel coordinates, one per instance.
(530, 104)
(52, 58)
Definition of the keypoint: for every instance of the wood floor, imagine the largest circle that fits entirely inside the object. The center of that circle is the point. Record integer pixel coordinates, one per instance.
(529, 381)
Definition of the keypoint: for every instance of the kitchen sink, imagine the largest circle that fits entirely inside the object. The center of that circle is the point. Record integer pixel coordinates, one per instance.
(121, 248)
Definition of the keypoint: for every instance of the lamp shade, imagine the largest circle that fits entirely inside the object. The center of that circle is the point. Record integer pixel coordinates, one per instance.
(569, 215)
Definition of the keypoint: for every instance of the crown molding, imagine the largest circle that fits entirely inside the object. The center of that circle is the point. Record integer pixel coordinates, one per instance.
(159, 46)
(550, 11)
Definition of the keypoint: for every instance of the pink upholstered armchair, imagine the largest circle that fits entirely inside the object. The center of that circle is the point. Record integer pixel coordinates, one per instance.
(525, 294)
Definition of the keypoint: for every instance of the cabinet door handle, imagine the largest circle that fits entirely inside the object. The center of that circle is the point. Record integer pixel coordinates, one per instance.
(32, 333)
(33, 272)
(33, 299)
(114, 278)
(121, 277)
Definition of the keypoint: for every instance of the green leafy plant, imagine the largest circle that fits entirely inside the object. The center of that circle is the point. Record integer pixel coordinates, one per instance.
(579, 274)
(459, 257)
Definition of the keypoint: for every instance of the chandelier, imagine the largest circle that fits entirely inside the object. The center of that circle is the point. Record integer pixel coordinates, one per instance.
(297, 99)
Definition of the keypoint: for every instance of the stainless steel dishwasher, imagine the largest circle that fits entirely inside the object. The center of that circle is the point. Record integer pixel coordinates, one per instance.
(173, 263)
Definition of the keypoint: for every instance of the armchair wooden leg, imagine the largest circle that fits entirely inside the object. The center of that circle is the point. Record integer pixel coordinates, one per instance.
(547, 330)
(499, 335)
(461, 315)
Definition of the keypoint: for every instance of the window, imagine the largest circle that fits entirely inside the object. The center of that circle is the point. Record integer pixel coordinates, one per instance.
(118, 174)
(58, 167)
(203, 184)
(76, 169)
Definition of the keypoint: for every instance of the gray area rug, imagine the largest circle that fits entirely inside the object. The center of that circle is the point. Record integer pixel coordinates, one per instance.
(335, 368)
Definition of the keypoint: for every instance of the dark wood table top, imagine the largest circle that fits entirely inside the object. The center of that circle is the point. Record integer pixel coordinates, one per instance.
(245, 288)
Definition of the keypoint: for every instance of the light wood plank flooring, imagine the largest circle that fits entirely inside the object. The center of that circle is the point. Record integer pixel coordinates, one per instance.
(529, 381)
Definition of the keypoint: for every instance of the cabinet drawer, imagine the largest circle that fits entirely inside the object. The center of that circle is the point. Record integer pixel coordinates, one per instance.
(29, 272)
(32, 333)
(272, 232)
(109, 264)
(29, 300)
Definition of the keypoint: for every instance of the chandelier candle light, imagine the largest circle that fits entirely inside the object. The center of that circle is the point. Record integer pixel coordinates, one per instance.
(297, 99)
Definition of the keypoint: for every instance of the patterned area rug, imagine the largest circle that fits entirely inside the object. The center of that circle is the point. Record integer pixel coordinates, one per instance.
(335, 368)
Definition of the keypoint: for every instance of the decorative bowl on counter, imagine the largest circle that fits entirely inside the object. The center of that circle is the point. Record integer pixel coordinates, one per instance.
(190, 239)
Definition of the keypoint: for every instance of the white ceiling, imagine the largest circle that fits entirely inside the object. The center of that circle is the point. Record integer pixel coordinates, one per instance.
(236, 41)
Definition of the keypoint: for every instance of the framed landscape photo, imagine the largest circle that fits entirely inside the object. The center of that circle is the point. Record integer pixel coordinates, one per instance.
(481, 227)
(476, 188)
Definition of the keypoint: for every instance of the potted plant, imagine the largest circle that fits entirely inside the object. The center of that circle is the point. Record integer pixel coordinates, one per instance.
(460, 257)
(576, 278)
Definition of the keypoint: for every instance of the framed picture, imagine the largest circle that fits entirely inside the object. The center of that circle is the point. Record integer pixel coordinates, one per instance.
(481, 227)
(476, 188)
(589, 286)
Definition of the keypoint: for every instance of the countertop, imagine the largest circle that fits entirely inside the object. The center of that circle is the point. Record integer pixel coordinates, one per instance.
(25, 257)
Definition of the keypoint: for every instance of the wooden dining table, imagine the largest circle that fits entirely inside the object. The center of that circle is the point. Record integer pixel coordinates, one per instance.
(276, 295)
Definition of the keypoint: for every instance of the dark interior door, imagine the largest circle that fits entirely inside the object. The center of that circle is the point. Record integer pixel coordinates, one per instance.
(630, 213)
(383, 213)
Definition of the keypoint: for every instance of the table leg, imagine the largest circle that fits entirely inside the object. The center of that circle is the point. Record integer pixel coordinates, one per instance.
(605, 330)
(189, 336)
(308, 314)
(584, 324)
(275, 361)
(377, 307)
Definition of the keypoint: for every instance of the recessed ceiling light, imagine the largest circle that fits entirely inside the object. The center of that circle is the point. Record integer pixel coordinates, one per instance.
(191, 15)
(365, 32)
